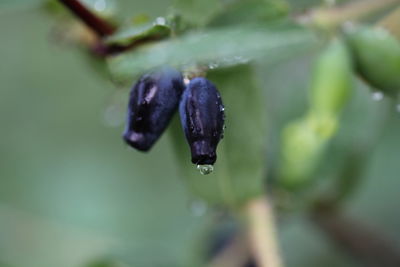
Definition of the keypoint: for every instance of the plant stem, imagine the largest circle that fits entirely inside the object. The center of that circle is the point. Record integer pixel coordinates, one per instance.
(97, 24)
(357, 239)
(391, 22)
(236, 254)
(332, 17)
(262, 233)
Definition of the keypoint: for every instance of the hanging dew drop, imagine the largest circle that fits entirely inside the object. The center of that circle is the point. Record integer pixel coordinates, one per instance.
(205, 169)
(198, 208)
(213, 65)
(100, 5)
(160, 21)
(377, 96)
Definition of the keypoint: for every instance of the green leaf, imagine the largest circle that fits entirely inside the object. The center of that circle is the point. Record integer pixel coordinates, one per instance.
(198, 12)
(240, 167)
(250, 11)
(19, 3)
(133, 34)
(223, 46)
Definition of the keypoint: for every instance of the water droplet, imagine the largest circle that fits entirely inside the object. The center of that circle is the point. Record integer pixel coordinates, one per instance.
(205, 169)
(160, 21)
(198, 208)
(377, 96)
(398, 107)
(186, 80)
(240, 59)
(222, 108)
(100, 5)
(213, 65)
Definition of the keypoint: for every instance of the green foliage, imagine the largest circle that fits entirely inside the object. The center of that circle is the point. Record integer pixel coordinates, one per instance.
(82, 196)
(132, 34)
(250, 11)
(19, 3)
(197, 12)
(224, 46)
(377, 57)
(304, 141)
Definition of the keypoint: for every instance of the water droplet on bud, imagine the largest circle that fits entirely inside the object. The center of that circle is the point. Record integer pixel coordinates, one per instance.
(213, 65)
(198, 208)
(377, 96)
(205, 169)
(398, 107)
(160, 21)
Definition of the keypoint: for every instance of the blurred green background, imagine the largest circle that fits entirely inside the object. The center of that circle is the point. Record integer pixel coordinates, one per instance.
(71, 193)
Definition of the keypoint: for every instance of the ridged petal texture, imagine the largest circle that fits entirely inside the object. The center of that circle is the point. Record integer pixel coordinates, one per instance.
(202, 118)
(153, 101)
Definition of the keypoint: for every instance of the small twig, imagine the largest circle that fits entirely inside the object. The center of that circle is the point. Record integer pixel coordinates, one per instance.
(98, 25)
(262, 233)
(357, 239)
(391, 22)
(329, 18)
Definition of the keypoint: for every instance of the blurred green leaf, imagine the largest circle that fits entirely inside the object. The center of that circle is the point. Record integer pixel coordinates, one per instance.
(223, 46)
(198, 12)
(240, 167)
(250, 11)
(18, 3)
(133, 34)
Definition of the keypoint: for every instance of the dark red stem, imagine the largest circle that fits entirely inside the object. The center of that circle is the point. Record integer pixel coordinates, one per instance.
(98, 25)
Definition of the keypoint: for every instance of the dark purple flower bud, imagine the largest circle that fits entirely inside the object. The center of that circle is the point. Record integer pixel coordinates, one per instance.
(202, 118)
(153, 101)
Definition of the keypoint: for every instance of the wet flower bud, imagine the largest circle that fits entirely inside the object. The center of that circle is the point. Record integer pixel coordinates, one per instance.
(153, 101)
(202, 118)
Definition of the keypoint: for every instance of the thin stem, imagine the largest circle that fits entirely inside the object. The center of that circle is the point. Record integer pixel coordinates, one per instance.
(355, 238)
(236, 254)
(333, 17)
(98, 25)
(262, 233)
(391, 22)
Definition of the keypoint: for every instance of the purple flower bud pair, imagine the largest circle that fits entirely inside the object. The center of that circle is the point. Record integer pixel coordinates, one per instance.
(155, 98)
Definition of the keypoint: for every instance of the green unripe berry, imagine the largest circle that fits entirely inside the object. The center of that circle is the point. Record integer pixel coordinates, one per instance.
(303, 143)
(377, 57)
(332, 79)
